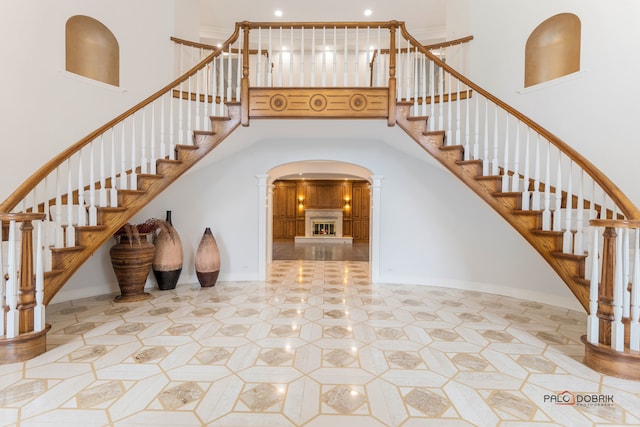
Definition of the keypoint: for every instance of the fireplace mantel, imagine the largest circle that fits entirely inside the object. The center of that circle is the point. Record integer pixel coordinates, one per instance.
(323, 215)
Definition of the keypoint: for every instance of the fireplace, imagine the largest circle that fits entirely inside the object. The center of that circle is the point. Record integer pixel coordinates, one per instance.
(323, 225)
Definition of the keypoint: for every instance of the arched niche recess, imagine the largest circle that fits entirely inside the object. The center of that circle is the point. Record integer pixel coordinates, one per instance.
(553, 49)
(92, 50)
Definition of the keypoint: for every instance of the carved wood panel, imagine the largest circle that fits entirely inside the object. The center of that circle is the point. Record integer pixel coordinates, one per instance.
(313, 102)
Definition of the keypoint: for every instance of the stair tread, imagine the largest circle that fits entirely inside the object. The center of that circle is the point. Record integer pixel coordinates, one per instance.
(507, 194)
(568, 256)
(488, 177)
(451, 148)
(132, 191)
(111, 209)
(547, 232)
(204, 132)
(98, 227)
(417, 118)
(468, 162)
(151, 175)
(68, 249)
(433, 132)
(184, 147)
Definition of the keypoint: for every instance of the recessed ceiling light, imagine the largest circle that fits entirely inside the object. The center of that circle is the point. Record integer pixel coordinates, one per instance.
(368, 12)
(278, 13)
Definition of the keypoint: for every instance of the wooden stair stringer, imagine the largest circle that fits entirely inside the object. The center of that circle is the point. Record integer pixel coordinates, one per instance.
(525, 222)
(68, 260)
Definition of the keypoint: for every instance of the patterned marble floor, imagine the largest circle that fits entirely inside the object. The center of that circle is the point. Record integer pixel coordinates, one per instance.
(314, 345)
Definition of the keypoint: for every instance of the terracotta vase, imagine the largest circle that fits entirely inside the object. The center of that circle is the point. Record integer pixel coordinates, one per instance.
(167, 263)
(131, 262)
(207, 260)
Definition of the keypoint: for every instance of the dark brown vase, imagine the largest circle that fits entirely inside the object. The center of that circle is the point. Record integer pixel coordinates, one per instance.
(131, 261)
(207, 260)
(167, 263)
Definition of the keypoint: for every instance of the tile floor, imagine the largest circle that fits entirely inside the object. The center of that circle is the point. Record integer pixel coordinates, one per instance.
(314, 345)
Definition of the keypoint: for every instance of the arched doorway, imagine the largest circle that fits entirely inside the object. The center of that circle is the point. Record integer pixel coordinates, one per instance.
(316, 168)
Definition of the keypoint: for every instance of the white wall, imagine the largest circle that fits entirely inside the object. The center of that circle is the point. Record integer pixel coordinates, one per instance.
(43, 109)
(592, 111)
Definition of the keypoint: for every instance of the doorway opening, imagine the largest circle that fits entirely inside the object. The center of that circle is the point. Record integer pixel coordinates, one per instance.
(338, 199)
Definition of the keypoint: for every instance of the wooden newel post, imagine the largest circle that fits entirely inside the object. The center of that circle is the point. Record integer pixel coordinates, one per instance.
(244, 97)
(605, 291)
(391, 110)
(27, 290)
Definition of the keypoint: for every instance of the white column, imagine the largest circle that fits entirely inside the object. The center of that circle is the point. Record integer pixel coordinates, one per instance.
(263, 205)
(374, 224)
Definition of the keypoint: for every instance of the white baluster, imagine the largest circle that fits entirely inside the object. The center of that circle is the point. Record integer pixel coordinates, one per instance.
(578, 237)
(239, 70)
(449, 138)
(515, 178)
(617, 328)
(357, 59)
(458, 101)
(557, 213)
(92, 210)
(506, 179)
(229, 79)
(535, 194)
(546, 213)
(113, 192)
(346, 58)
(221, 82)
(408, 69)
(416, 85)
(152, 156)
(334, 58)
(368, 56)
(39, 309)
(324, 56)
(313, 56)
(13, 323)
(634, 325)
(206, 121)
(163, 141)
(123, 159)
(626, 295)
(70, 231)
(133, 177)
(280, 60)
(269, 63)
(441, 92)
(102, 196)
(291, 58)
(423, 92)
(190, 106)
(496, 142)
(379, 47)
(259, 59)
(567, 239)
(59, 243)
(432, 90)
(526, 195)
(476, 131)
(80, 206)
(593, 321)
(485, 142)
(196, 103)
(302, 79)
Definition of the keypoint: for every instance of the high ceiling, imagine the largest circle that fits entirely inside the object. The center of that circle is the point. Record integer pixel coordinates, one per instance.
(425, 19)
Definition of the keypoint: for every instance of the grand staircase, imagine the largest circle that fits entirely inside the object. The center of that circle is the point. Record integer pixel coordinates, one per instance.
(557, 200)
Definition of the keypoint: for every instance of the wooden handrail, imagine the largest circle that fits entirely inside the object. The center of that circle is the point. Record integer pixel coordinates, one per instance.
(211, 47)
(308, 25)
(449, 43)
(627, 207)
(24, 189)
(615, 223)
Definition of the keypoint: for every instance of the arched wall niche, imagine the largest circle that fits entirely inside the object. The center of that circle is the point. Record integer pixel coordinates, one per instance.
(552, 49)
(92, 50)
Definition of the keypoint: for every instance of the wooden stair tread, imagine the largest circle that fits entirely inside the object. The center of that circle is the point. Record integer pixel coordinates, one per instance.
(507, 194)
(90, 228)
(468, 162)
(204, 132)
(547, 232)
(568, 256)
(68, 249)
(433, 132)
(418, 118)
(488, 177)
(452, 148)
